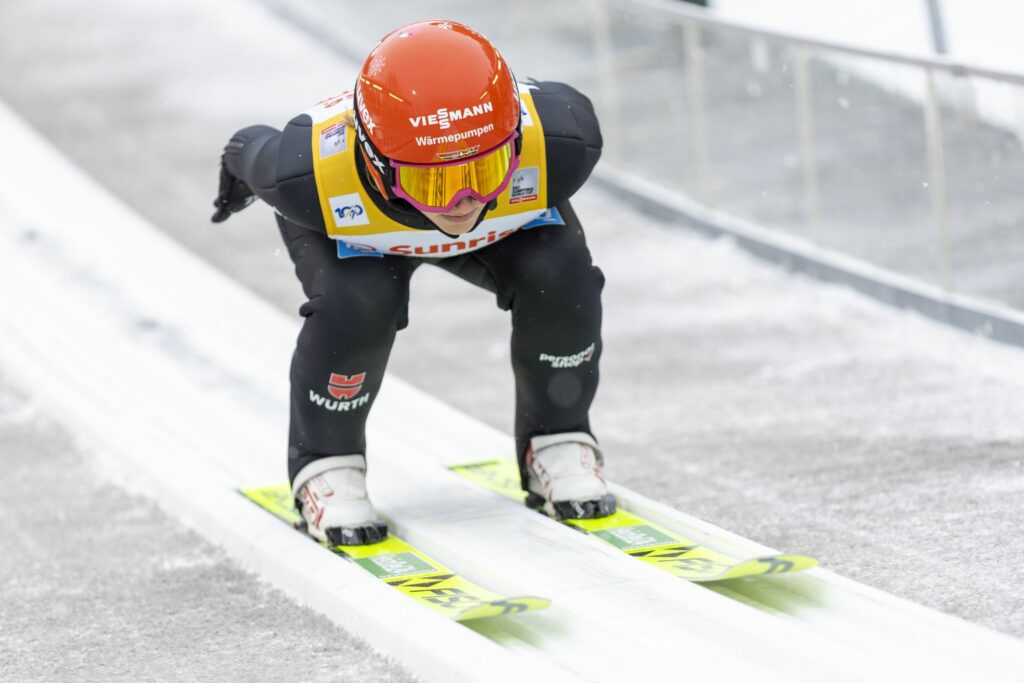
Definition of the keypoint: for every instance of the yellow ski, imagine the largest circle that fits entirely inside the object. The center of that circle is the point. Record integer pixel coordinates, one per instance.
(643, 539)
(404, 567)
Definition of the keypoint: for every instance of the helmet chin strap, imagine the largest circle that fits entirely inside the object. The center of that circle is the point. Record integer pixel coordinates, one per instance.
(455, 237)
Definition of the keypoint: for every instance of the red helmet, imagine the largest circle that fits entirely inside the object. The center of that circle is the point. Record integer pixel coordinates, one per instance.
(437, 94)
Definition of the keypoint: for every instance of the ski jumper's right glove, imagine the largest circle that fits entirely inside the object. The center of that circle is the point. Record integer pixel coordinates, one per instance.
(232, 196)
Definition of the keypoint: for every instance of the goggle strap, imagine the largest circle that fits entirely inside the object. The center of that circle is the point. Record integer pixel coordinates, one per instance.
(383, 182)
(374, 175)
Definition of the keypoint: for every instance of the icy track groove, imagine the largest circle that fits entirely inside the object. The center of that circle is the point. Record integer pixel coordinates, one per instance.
(174, 381)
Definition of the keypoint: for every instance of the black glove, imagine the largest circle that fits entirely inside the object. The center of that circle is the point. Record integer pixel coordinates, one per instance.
(233, 195)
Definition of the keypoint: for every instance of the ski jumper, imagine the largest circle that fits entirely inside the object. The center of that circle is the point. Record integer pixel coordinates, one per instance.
(354, 253)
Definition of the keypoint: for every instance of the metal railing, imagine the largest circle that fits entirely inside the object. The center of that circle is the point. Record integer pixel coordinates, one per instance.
(910, 163)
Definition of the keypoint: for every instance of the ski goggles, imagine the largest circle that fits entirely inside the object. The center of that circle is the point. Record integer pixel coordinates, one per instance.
(437, 188)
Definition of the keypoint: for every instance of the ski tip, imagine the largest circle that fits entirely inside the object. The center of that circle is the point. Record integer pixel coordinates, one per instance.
(763, 566)
(503, 607)
(482, 464)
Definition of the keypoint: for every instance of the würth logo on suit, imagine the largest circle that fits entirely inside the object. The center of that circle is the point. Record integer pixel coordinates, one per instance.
(342, 387)
(345, 386)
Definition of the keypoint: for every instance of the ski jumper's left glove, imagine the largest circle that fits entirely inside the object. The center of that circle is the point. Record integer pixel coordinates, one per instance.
(232, 196)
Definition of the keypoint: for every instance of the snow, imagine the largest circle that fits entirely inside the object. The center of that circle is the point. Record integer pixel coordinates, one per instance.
(981, 32)
(15, 410)
(98, 583)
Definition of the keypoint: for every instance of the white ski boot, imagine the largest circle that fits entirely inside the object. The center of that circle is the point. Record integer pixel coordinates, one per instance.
(564, 477)
(331, 495)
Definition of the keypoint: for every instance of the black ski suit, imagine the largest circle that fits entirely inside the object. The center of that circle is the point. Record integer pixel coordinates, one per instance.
(355, 306)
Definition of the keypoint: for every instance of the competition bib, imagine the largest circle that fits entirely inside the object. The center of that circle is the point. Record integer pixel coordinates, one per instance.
(361, 229)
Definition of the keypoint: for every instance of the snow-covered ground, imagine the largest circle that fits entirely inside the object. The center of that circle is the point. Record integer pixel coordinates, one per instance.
(98, 583)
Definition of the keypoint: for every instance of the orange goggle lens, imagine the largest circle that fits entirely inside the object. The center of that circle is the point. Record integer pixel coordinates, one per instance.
(440, 187)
